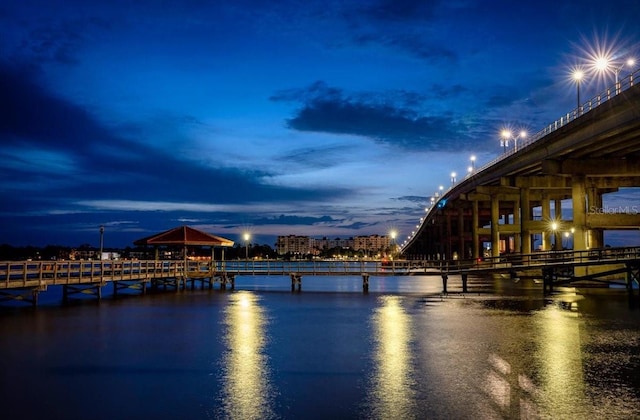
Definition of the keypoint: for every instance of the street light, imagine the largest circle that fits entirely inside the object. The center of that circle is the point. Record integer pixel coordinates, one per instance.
(246, 240)
(393, 235)
(101, 240)
(473, 162)
(630, 62)
(554, 228)
(507, 135)
(453, 179)
(577, 77)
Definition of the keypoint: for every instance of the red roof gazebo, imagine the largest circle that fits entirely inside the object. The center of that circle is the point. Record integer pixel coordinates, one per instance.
(184, 236)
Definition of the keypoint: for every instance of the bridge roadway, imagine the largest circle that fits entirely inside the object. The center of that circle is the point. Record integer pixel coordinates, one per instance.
(592, 151)
(24, 280)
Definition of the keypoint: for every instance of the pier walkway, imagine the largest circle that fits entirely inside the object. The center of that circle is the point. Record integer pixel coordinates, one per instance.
(23, 280)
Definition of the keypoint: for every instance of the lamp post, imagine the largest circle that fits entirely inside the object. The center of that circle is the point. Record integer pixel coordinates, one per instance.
(453, 178)
(393, 235)
(630, 62)
(577, 77)
(507, 135)
(554, 228)
(246, 240)
(473, 162)
(101, 241)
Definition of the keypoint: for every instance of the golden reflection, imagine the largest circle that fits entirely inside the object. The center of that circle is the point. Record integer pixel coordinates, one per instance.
(247, 392)
(392, 395)
(560, 356)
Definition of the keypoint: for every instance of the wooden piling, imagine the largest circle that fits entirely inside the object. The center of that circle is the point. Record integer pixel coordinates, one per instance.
(365, 282)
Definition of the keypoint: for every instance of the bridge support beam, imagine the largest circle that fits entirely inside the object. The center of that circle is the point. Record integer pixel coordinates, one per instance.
(525, 217)
(475, 216)
(495, 229)
(546, 216)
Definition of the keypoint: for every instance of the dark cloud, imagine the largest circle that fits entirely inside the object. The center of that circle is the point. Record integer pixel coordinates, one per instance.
(418, 199)
(295, 220)
(107, 165)
(384, 118)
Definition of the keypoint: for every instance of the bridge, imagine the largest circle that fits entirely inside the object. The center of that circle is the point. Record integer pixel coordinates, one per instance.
(24, 280)
(589, 152)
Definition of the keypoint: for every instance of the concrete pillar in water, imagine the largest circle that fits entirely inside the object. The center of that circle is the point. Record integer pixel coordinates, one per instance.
(525, 217)
(546, 217)
(495, 229)
(474, 230)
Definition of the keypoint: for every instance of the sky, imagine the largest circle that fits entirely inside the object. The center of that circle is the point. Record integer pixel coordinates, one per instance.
(319, 118)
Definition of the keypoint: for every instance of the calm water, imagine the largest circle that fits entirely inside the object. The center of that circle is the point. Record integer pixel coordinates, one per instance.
(260, 352)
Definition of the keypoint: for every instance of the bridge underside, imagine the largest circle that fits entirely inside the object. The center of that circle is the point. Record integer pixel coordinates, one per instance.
(516, 205)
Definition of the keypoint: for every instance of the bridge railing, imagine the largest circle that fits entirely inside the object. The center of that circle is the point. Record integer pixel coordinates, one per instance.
(545, 258)
(594, 102)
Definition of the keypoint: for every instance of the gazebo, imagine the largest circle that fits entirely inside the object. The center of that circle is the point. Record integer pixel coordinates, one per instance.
(185, 236)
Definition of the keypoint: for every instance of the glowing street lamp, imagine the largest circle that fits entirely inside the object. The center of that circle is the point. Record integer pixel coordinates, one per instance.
(247, 236)
(453, 178)
(630, 62)
(507, 135)
(577, 77)
(101, 240)
(473, 162)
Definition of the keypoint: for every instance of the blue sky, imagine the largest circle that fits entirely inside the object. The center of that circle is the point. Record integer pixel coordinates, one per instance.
(320, 118)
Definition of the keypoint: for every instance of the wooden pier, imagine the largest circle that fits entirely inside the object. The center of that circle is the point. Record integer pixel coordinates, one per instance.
(24, 280)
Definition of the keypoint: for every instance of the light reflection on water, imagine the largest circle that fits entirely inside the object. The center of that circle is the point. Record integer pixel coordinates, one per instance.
(400, 351)
(391, 386)
(247, 391)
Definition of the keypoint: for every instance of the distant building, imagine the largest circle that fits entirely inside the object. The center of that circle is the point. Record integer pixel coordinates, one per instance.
(293, 244)
(305, 245)
(372, 243)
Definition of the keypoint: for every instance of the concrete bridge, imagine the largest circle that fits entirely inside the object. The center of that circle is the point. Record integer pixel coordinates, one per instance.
(592, 151)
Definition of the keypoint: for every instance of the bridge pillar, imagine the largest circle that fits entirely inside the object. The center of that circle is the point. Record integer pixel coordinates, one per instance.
(495, 228)
(525, 217)
(578, 198)
(517, 237)
(444, 283)
(474, 230)
(546, 216)
(365, 282)
(595, 236)
(464, 282)
(557, 214)
(462, 253)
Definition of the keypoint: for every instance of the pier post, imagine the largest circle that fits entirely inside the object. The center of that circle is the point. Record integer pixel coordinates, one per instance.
(34, 301)
(464, 282)
(445, 277)
(223, 281)
(296, 282)
(365, 282)
(232, 281)
(547, 280)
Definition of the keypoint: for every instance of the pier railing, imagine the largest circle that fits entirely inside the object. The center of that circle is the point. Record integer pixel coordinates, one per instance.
(40, 274)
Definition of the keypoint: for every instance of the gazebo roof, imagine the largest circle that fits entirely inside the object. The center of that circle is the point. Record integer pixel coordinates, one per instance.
(184, 235)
